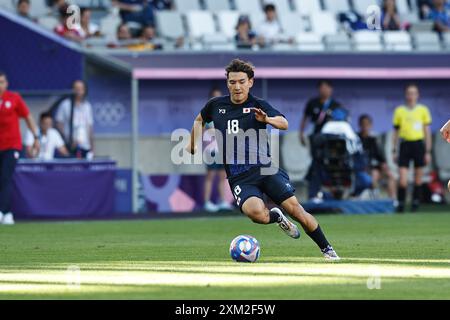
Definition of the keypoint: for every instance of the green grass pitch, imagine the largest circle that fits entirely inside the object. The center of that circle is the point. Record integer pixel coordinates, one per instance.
(384, 257)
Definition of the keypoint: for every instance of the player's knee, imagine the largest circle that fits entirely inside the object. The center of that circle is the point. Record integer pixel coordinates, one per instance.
(257, 215)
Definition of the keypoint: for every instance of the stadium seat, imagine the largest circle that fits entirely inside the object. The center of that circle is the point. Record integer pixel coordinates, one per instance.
(308, 41)
(227, 22)
(7, 5)
(403, 7)
(446, 40)
(397, 41)
(48, 23)
(292, 24)
(324, 23)
(336, 6)
(441, 156)
(427, 41)
(338, 42)
(291, 151)
(187, 5)
(367, 41)
(81, 3)
(256, 17)
(282, 6)
(217, 41)
(361, 6)
(39, 8)
(108, 26)
(306, 7)
(169, 24)
(247, 6)
(217, 5)
(200, 23)
(422, 26)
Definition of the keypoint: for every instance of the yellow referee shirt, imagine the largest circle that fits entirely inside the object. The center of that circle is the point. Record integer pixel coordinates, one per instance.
(410, 122)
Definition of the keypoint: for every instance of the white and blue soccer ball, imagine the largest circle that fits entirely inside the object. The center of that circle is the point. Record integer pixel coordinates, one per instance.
(244, 248)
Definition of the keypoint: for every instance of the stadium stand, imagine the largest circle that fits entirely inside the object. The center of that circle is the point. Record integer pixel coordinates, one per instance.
(217, 5)
(397, 41)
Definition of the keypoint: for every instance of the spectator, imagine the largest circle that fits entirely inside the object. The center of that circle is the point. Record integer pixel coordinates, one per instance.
(318, 111)
(148, 33)
(23, 10)
(65, 29)
(87, 29)
(140, 11)
(12, 108)
(270, 29)
(440, 16)
(57, 5)
(214, 170)
(376, 159)
(390, 19)
(412, 125)
(50, 140)
(123, 32)
(74, 119)
(245, 38)
(163, 4)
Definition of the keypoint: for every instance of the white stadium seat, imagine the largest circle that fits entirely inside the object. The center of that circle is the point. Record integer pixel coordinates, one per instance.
(227, 22)
(403, 7)
(324, 23)
(187, 5)
(367, 41)
(306, 7)
(308, 41)
(427, 41)
(248, 5)
(217, 5)
(200, 23)
(361, 6)
(397, 41)
(48, 23)
(7, 5)
(336, 6)
(169, 24)
(292, 24)
(108, 26)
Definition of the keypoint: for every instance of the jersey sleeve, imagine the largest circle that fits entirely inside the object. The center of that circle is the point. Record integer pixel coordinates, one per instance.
(206, 112)
(426, 118)
(396, 121)
(22, 109)
(271, 111)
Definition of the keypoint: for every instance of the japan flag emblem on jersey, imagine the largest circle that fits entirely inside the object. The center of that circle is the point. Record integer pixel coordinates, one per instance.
(246, 110)
(8, 104)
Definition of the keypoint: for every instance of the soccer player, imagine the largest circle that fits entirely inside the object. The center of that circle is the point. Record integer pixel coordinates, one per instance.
(445, 132)
(240, 112)
(12, 108)
(412, 125)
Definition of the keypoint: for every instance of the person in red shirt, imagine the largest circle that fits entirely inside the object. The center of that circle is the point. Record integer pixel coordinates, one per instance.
(12, 108)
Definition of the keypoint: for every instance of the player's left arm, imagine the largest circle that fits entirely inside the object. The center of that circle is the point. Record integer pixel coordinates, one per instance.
(278, 122)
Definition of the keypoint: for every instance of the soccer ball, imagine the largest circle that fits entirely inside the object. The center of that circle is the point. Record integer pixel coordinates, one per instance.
(244, 249)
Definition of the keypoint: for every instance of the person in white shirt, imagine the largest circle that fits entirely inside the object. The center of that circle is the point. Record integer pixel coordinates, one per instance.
(75, 120)
(49, 138)
(270, 29)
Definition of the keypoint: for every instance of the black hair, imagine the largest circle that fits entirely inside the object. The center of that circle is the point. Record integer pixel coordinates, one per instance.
(411, 84)
(22, 1)
(365, 117)
(269, 7)
(326, 82)
(44, 115)
(238, 65)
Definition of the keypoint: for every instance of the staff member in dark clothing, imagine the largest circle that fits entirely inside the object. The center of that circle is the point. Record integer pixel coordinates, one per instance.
(318, 111)
(12, 108)
(376, 158)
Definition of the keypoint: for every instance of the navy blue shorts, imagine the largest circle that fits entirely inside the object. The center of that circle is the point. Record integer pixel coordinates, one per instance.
(252, 184)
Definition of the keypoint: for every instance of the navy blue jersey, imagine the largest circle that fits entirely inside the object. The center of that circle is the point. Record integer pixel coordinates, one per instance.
(239, 128)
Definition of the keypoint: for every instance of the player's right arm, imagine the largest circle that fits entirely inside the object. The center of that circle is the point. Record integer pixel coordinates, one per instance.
(445, 131)
(196, 133)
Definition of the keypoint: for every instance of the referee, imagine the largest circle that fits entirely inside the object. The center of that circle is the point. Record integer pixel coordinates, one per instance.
(12, 108)
(412, 126)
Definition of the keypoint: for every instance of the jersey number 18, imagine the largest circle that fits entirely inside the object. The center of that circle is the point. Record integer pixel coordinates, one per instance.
(233, 126)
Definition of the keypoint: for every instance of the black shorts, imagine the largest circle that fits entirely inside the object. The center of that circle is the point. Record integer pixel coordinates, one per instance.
(252, 184)
(412, 151)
